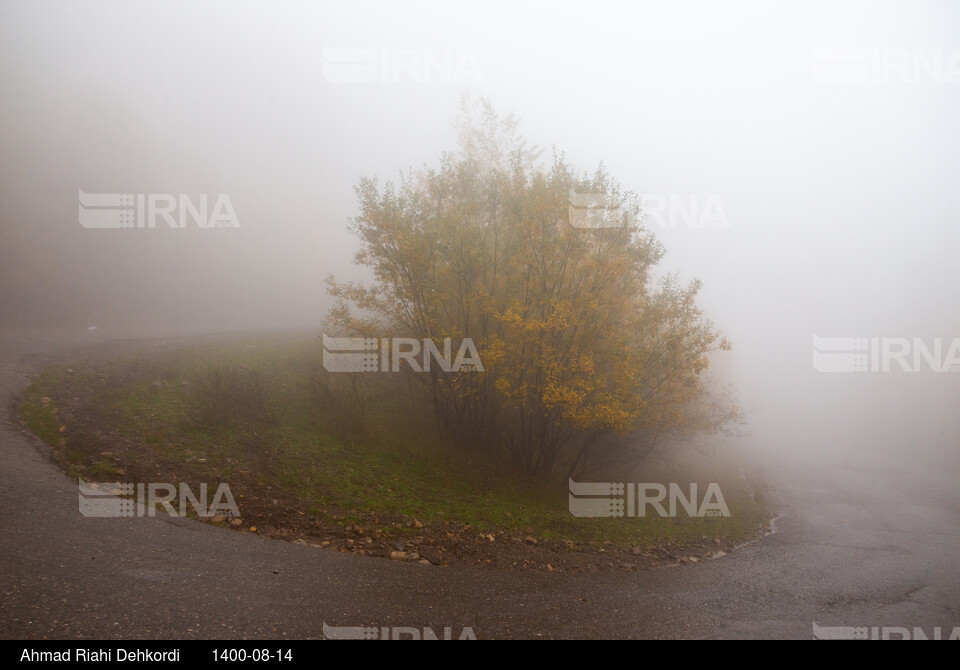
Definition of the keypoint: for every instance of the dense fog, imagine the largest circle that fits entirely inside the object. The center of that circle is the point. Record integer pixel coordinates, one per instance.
(801, 162)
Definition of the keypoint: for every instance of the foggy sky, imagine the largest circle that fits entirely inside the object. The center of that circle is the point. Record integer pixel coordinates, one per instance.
(840, 197)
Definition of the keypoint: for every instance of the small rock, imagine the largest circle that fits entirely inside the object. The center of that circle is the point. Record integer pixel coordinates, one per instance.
(529, 539)
(423, 561)
(236, 522)
(417, 524)
(398, 555)
(413, 556)
(430, 557)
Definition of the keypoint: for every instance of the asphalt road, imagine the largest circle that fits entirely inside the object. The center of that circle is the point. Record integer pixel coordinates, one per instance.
(853, 547)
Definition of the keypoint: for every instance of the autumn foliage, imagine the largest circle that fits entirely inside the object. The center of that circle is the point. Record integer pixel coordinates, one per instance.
(587, 358)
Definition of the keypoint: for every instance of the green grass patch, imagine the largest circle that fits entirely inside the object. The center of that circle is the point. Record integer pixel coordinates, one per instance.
(249, 410)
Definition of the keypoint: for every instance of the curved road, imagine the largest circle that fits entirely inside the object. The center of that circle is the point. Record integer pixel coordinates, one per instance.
(853, 548)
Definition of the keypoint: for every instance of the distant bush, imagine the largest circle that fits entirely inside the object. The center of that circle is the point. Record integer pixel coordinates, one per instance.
(231, 395)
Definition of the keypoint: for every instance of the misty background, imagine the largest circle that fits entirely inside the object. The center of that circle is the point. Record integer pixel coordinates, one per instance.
(838, 186)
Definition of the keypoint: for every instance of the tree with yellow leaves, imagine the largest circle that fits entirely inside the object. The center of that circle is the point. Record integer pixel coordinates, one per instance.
(585, 357)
